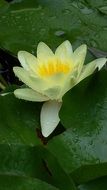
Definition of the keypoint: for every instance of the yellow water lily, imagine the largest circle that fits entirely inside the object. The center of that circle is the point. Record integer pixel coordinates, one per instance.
(50, 75)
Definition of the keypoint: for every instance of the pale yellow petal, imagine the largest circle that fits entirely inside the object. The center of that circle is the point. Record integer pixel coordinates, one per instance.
(79, 57)
(30, 95)
(69, 83)
(35, 83)
(44, 52)
(49, 117)
(64, 51)
(58, 79)
(90, 68)
(60, 84)
(28, 61)
(53, 92)
(57, 83)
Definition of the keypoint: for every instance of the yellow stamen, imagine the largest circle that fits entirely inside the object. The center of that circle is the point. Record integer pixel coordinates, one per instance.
(54, 66)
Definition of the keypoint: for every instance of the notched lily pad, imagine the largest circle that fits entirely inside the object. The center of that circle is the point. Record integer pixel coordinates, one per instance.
(84, 144)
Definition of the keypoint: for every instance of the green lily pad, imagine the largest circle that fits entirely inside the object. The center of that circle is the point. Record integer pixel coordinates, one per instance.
(18, 121)
(99, 184)
(12, 182)
(21, 150)
(24, 23)
(82, 148)
(35, 162)
(3, 5)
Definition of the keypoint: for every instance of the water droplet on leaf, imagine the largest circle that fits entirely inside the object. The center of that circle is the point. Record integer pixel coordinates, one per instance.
(60, 33)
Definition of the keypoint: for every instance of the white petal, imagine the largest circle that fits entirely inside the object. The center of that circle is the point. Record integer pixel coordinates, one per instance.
(64, 51)
(90, 68)
(44, 52)
(27, 60)
(5, 94)
(49, 117)
(30, 95)
(69, 83)
(53, 93)
(79, 57)
(57, 83)
(36, 84)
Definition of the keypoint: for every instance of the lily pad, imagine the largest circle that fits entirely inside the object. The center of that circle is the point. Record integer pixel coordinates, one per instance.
(33, 162)
(19, 183)
(21, 150)
(82, 148)
(18, 121)
(24, 23)
(99, 184)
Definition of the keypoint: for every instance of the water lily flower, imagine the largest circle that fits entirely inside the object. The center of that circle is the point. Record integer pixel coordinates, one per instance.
(50, 75)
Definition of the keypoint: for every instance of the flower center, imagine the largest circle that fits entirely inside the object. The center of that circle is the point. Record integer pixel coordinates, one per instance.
(54, 66)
